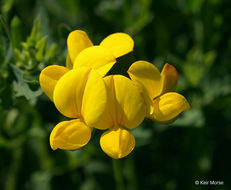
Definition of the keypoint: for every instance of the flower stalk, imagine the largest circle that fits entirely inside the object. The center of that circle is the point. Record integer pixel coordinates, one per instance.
(118, 175)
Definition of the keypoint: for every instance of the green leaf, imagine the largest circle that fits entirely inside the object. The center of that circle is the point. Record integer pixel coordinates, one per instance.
(190, 118)
(7, 5)
(41, 46)
(209, 58)
(35, 33)
(21, 87)
(194, 73)
(16, 32)
(194, 68)
(195, 5)
(40, 180)
(51, 51)
(5, 28)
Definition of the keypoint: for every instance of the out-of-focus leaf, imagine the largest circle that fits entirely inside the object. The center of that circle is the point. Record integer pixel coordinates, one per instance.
(198, 64)
(90, 183)
(11, 117)
(45, 27)
(195, 5)
(51, 51)
(7, 48)
(16, 32)
(40, 180)
(215, 88)
(96, 167)
(190, 118)
(6, 5)
(35, 33)
(41, 46)
(209, 58)
(194, 73)
(194, 68)
(141, 16)
(36, 52)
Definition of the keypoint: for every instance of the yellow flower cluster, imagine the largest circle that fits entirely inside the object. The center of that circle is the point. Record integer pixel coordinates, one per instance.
(114, 103)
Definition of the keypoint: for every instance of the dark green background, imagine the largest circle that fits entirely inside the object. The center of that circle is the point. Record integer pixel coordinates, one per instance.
(192, 35)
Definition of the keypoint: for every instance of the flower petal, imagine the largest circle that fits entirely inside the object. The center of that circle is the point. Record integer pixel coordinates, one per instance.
(169, 106)
(169, 76)
(96, 57)
(117, 142)
(48, 78)
(69, 91)
(109, 115)
(68, 62)
(77, 41)
(126, 105)
(147, 100)
(94, 100)
(148, 75)
(70, 135)
(118, 43)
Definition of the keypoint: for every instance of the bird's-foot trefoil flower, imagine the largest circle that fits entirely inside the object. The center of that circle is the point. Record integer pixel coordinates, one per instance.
(125, 110)
(162, 103)
(81, 94)
(82, 52)
(112, 47)
(114, 103)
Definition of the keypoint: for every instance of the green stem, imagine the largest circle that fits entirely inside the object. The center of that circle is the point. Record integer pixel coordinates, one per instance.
(131, 173)
(12, 178)
(118, 174)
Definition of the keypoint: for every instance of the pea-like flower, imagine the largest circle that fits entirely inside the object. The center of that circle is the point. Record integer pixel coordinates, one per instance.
(111, 103)
(114, 103)
(162, 103)
(125, 110)
(81, 94)
(82, 52)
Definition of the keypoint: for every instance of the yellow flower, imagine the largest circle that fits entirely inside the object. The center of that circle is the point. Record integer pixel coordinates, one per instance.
(125, 110)
(112, 47)
(162, 104)
(111, 103)
(81, 52)
(80, 93)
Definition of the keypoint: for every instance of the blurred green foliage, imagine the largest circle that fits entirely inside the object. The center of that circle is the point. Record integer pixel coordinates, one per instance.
(192, 35)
